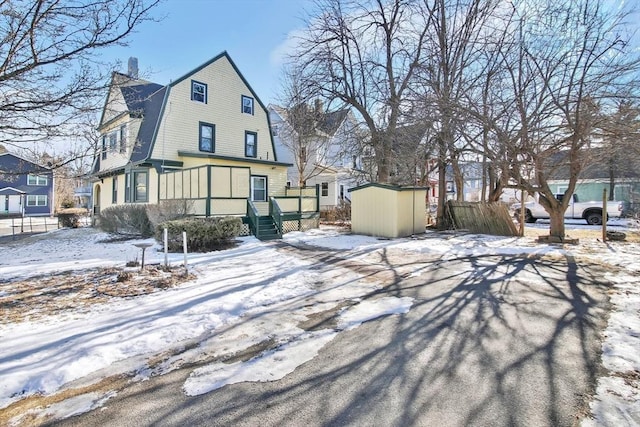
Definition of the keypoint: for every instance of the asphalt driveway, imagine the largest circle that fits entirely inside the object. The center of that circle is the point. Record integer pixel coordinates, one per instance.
(512, 341)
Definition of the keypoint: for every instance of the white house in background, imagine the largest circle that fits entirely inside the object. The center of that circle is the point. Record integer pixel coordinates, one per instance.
(330, 162)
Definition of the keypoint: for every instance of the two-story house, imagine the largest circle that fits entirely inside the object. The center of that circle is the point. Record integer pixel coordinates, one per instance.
(322, 147)
(204, 137)
(26, 188)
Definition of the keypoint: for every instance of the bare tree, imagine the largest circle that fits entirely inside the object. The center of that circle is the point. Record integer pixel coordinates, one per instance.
(454, 41)
(566, 61)
(364, 54)
(51, 76)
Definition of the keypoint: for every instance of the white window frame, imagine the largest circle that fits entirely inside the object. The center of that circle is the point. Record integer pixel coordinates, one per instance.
(37, 180)
(254, 179)
(37, 200)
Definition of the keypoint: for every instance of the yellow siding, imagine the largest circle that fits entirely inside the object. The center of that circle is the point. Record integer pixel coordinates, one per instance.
(228, 206)
(170, 185)
(197, 207)
(220, 182)
(115, 104)
(163, 186)
(152, 190)
(179, 128)
(288, 205)
(115, 159)
(202, 182)
(240, 179)
(296, 191)
(276, 182)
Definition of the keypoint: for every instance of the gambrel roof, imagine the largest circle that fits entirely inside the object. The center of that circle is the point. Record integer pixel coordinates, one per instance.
(147, 101)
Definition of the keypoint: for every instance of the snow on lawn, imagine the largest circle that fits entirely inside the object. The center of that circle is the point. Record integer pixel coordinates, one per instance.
(248, 296)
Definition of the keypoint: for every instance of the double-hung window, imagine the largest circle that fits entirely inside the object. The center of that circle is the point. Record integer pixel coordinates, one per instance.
(207, 137)
(250, 144)
(136, 184)
(247, 105)
(36, 200)
(140, 189)
(258, 188)
(37, 180)
(325, 189)
(198, 92)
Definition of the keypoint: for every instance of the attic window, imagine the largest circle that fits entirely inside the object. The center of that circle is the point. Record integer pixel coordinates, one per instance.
(247, 105)
(198, 92)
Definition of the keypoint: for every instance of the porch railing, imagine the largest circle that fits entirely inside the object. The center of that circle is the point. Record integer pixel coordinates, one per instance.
(276, 214)
(252, 215)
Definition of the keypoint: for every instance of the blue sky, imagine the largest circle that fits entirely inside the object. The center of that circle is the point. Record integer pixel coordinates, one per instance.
(194, 31)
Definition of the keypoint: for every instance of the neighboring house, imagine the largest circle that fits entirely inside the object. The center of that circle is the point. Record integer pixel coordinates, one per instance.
(204, 138)
(25, 187)
(600, 173)
(325, 155)
(82, 192)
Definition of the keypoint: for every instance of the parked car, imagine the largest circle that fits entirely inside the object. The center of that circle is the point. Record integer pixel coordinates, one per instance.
(589, 211)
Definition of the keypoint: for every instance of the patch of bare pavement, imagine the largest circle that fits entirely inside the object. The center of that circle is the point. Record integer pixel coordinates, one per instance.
(512, 341)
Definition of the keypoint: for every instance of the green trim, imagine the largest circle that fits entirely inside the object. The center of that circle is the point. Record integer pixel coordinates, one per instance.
(207, 209)
(235, 159)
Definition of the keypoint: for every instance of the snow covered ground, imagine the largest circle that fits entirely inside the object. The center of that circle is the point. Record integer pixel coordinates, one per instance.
(248, 295)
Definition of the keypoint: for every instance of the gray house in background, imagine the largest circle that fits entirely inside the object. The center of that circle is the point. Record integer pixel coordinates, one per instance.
(331, 163)
(25, 187)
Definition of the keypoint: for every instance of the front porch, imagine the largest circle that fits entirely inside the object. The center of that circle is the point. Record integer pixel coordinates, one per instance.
(211, 190)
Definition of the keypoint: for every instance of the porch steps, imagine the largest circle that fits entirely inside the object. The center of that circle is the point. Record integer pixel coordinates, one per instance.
(267, 229)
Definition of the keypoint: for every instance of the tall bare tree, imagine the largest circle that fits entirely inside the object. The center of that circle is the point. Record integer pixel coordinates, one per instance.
(568, 60)
(51, 75)
(365, 54)
(454, 41)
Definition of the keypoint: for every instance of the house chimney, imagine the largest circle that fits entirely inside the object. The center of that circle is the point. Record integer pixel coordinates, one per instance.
(319, 106)
(133, 67)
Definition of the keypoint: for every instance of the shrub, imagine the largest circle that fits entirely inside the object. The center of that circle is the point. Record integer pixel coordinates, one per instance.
(67, 203)
(70, 220)
(203, 234)
(126, 219)
(340, 213)
(169, 210)
(70, 217)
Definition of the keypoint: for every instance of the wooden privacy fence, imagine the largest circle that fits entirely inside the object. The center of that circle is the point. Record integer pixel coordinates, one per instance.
(483, 218)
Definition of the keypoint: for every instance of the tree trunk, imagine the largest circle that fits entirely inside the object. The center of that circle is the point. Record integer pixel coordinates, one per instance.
(458, 179)
(556, 216)
(442, 183)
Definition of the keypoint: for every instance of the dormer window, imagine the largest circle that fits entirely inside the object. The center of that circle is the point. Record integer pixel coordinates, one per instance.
(247, 105)
(198, 92)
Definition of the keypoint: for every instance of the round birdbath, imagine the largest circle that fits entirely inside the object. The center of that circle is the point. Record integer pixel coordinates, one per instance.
(142, 246)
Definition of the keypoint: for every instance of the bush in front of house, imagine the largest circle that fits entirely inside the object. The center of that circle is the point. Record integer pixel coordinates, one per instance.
(169, 210)
(126, 219)
(203, 234)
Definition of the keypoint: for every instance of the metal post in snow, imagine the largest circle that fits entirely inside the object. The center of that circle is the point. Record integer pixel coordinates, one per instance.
(184, 247)
(165, 239)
